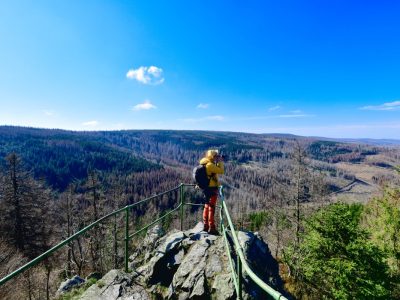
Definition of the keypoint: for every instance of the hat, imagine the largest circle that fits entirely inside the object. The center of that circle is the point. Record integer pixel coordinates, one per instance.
(211, 153)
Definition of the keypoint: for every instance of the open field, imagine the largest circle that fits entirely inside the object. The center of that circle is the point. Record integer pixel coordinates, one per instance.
(369, 178)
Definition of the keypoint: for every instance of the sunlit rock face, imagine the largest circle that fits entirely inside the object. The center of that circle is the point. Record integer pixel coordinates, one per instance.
(187, 265)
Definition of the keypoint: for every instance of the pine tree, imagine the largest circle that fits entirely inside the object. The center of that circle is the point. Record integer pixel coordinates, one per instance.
(301, 193)
(382, 217)
(25, 206)
(336, 259)
(95, 198)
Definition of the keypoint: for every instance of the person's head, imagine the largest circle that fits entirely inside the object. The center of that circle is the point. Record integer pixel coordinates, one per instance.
(212, 154)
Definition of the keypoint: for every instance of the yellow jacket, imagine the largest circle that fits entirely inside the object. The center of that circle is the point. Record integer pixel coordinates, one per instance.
(213, 170)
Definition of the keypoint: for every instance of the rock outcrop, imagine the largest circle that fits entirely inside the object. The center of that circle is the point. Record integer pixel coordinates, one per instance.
(69, 284)
(186, 265)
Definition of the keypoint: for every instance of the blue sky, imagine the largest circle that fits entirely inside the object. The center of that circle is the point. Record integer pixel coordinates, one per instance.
(325, 68)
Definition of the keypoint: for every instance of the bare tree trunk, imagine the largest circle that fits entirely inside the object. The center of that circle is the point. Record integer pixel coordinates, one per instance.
(115, 243)
(28, 275)
(48, 271)
(19, 238)
(95, 241)
(78, 261)
(69, 232)
(298, 198)
(299, 157)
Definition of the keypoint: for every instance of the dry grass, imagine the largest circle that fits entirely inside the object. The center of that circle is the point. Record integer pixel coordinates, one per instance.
(365, 171)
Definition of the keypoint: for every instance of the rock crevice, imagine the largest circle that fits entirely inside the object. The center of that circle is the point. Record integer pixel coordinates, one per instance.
(186, 265)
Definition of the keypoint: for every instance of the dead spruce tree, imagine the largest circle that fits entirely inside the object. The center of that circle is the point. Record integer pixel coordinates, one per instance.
(25, 212)
(95, 198)
(68, 212)
(301, 192)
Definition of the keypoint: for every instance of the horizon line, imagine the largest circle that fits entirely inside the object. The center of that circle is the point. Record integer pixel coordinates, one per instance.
(204, 130)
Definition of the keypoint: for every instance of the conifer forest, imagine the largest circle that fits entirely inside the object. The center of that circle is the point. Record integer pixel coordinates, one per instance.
(328, 209)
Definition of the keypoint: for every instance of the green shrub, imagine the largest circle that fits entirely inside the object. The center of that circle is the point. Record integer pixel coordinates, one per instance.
(259, 219)
(382, 218)
(336, 259)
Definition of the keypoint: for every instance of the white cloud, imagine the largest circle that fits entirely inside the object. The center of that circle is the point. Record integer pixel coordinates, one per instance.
(275, 117)
(49, 113)
(90, 123)
(215, 118)
(146, 75)
(203, 105)
(294, 115)
(146, 105)
(208, 118)
(273, 108)
(297, 111)
(395, 105)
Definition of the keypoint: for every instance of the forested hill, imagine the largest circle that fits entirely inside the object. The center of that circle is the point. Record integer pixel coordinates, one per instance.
(61, 157)
(54, 183)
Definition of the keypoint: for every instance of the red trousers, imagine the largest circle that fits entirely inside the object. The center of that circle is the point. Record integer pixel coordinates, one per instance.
(209, 212)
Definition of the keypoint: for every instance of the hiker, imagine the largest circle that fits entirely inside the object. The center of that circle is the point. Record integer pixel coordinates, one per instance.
(214, 166)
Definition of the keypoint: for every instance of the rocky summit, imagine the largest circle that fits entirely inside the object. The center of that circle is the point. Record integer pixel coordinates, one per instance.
(187, 265)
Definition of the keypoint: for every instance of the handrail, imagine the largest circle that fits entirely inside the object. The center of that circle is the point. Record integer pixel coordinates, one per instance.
(241, 260)
(41, 257)
(154, 222)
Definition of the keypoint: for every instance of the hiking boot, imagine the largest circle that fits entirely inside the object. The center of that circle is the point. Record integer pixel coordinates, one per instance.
(213, 231)
(205, 228)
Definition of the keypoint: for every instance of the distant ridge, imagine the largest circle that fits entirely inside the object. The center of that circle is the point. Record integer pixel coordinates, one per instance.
(368, 141)
(53, 131)
(376, 141)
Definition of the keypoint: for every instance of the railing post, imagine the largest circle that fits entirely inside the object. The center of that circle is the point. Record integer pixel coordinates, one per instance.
(221, 219)
(181, 204)
(221, 215)
(126, 238)
(239, 274)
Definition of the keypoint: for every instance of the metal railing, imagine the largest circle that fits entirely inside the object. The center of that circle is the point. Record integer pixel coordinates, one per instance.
(237, 272)
(125, 209)
(241, 263)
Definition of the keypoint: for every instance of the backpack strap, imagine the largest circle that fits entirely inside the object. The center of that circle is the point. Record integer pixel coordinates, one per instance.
(212, 174)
